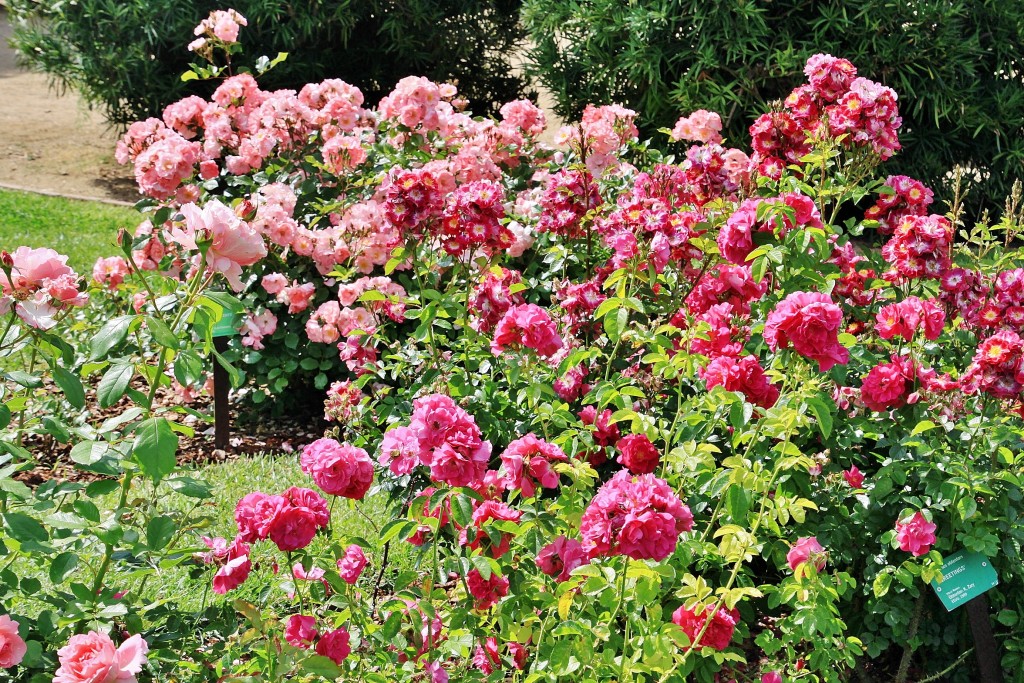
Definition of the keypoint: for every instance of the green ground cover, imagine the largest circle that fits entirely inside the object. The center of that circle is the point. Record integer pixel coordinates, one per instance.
(82, 230)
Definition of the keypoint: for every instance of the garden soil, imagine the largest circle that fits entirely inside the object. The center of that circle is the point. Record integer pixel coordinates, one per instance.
(51, 142)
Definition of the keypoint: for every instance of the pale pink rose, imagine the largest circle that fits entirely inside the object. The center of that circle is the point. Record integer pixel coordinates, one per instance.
(12, 647)
(234, 243)
(92, 658)
(274, 283)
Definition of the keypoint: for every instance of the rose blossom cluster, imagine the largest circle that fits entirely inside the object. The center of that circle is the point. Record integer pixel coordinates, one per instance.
(997, 367)
(301, 632)
(442, 437)
(472, 220)
(342, 400)
(919, 248)
(637, 454)
(834, 99)
(526, 326)
(903, 196)
(37, 284)
(637, 516)
(529, 464)
(600, 134)
(487, 657)
(256, 327)
(110, 271)
(700, 126)
(790, 211)
(493, 297)
(742, 374)
(229, 242)
(93, 658)
(905, 318)
(221, 25)
(892, 385)
(717, 634)
(338, 469)
(568, 196)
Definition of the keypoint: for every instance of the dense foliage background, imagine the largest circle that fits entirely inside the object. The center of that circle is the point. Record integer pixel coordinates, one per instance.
(127, 57)
(956, 66)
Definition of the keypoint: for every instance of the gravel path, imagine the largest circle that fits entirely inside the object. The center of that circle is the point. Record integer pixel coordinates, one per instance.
(53, 143)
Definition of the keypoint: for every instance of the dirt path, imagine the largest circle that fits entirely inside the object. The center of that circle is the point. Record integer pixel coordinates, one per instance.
(53, 143)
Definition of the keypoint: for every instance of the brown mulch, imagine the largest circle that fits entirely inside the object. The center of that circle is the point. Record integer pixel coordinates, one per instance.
(251, 434)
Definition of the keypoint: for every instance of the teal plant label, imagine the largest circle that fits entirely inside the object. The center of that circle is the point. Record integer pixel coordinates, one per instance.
(227, 325)
(965, 575)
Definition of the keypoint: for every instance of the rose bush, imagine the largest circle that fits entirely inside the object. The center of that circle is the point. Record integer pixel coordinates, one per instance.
(635, 418)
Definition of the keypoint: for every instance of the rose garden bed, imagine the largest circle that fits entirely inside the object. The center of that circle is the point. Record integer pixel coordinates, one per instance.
(617, 410)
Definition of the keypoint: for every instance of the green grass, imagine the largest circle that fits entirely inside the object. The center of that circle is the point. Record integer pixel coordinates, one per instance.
(82, 230)
(230, 481)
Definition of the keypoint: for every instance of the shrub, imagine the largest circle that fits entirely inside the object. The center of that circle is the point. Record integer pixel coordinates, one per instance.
(957, 65)
(127, 57)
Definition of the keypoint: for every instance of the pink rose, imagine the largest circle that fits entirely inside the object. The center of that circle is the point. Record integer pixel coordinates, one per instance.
(560, 557)
(854, 477)
(529, 463)
(12, 647)
(351, 566)
(92, 658)
(810, 323)
(718, 634)
(638, 454)
(300, 631)
(254, 514)
(806, 549)
(235, 571)
(915, 534)
(334, 645)
(293, 528)
(486, 592)
(526, 325)
(338, 469)
(234, 243)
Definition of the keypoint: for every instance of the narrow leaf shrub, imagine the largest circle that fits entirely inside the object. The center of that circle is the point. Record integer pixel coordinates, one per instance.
(956, 64)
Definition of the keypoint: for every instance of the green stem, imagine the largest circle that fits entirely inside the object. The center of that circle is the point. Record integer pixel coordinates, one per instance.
(625, 636)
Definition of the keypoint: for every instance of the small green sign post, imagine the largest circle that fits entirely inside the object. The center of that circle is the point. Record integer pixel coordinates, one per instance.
(226, 327)
(965, 575)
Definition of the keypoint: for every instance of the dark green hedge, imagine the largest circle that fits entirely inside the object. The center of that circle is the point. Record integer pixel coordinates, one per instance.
(127, 56)
(957, 65)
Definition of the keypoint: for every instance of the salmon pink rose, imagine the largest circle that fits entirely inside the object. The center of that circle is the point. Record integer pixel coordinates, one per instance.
(12, 647)
(92, 658)
(234, 243)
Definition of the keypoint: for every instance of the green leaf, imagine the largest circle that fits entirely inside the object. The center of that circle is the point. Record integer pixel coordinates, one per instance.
(188, 368)
(71, 385)
(24, 379)
(193, 488)
(159, 532)
(462, 510)
(319, 665)
(62, 566)
(24, 528)
(822, 413)
(89, 452)
(114, 383)
(881, 584)
(162, 333)
(110, 335)
(5, 415)
(155, 448)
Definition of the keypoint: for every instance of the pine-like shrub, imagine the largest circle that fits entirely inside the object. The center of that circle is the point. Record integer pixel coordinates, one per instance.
(958, 65)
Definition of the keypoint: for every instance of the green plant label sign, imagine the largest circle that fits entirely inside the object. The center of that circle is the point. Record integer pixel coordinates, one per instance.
(227, 325)
(965, 575)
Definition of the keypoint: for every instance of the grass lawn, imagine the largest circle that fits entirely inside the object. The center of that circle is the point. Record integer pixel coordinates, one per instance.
(82, 230)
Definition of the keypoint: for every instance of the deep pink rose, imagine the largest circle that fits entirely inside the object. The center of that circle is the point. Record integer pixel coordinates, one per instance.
(312, 501)
(638, 454)
(718, 635)
(529, 326)
(92, 658)
(293, 528)
(481, 536)
(351, 566)
(486, 592)
(744, 375)
(255, 513)
(334, 645)
(235, 571)
(12, 647)
(529, 464)
(300, 631)
(915, 534)
(810, 323)
(338, 469)
(806, 549)
(560, 557)
(854, 477)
